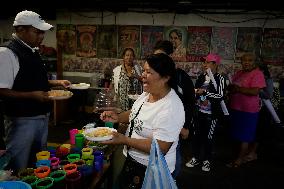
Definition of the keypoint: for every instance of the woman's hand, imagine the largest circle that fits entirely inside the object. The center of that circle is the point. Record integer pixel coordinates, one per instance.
(117, 138)
(109, 116)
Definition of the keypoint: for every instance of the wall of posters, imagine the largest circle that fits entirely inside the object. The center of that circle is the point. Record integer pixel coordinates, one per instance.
(86, 41)
(248, 40)
(89, 48)
(107, 41)
(178, 36)
(66, 38)
(273, 46)
(198, 44)
(129, 37)
(149, 36)
(224, 42)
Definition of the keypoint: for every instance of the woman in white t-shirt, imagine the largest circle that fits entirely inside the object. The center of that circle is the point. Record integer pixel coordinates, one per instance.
(158, 113)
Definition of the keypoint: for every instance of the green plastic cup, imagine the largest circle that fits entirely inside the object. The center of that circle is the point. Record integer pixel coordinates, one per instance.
(31, 180)
(79, 140)
(109, 124)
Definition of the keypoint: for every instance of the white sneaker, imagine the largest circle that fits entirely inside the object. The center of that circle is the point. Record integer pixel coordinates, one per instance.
(206, 166)
(193, 162)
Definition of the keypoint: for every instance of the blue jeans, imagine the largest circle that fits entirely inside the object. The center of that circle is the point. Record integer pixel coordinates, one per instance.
(178, 161)
(25, 136)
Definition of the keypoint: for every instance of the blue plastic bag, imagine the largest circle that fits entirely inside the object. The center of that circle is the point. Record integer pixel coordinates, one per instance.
(158, 175)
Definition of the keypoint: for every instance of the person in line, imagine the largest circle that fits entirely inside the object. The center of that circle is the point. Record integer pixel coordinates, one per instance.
(179, 53)
(264, 119)
(24, 87)
(185, 90)
(244, 103)
(209, 105)
(126, 79)
(151, 116)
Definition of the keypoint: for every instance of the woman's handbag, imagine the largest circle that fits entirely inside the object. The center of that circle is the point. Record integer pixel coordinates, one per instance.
(158, 175)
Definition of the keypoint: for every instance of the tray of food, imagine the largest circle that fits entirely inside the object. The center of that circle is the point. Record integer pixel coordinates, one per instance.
(80, 86)
(98, 133)
(59, 94)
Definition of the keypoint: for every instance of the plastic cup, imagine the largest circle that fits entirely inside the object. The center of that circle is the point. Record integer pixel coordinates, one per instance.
(72, 134)
(109, 124)
(79, 140)
(59, 179)
(98, 160)
(44, 183)
(31, 180)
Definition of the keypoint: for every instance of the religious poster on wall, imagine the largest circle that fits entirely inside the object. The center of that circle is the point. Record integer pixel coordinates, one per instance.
(198, 44)
(272, 51)
(248, 40)
(224, 41)
(66, 38)
(107, 41)
(86, 41)
(178, 36)
(149, 36)
(129, 37)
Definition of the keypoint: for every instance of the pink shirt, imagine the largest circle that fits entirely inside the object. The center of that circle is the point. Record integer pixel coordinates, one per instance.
(246, 103)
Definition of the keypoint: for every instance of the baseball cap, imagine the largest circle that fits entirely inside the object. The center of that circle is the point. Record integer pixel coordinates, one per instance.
(213, 58)
(30, 18)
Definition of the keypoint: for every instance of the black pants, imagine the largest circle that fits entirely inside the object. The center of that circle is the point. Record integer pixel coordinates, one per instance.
(132, 174)
(203, 136)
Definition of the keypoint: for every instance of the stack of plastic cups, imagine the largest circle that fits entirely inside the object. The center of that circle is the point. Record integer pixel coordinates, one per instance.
(98, 161)
(73, 180)
(72, 134)
(70, 168)
(86, 172)
(59, 179)
(62, 163)
(73, 157)
(44, 183)
(87, 151)
(25, 172)
(54, 163)
(42, 172)
(43, 162)
(31, 180)
(89, 159)
(79, 141)
(43, 155)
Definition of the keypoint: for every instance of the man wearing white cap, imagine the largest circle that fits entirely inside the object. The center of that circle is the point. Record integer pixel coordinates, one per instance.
(23, 88)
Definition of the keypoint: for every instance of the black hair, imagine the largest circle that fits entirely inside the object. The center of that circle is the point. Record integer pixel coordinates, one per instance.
(128, 49)
(264, 68)
(165, 46)
(164, 66)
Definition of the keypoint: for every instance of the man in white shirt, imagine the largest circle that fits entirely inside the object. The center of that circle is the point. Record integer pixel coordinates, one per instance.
(24, 87)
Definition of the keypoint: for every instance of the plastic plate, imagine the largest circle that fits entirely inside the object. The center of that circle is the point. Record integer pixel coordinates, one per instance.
(87, 133)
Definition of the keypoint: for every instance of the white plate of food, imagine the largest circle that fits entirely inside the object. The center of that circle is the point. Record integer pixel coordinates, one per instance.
(59, 94)
(98, 133)
(80, 86)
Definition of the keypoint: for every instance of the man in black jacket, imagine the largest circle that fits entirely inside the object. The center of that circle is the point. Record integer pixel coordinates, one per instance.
(185, 90)
(24, 87)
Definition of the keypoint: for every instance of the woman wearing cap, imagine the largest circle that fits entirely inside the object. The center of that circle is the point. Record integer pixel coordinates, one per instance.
(208, 101)
(244, 103)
